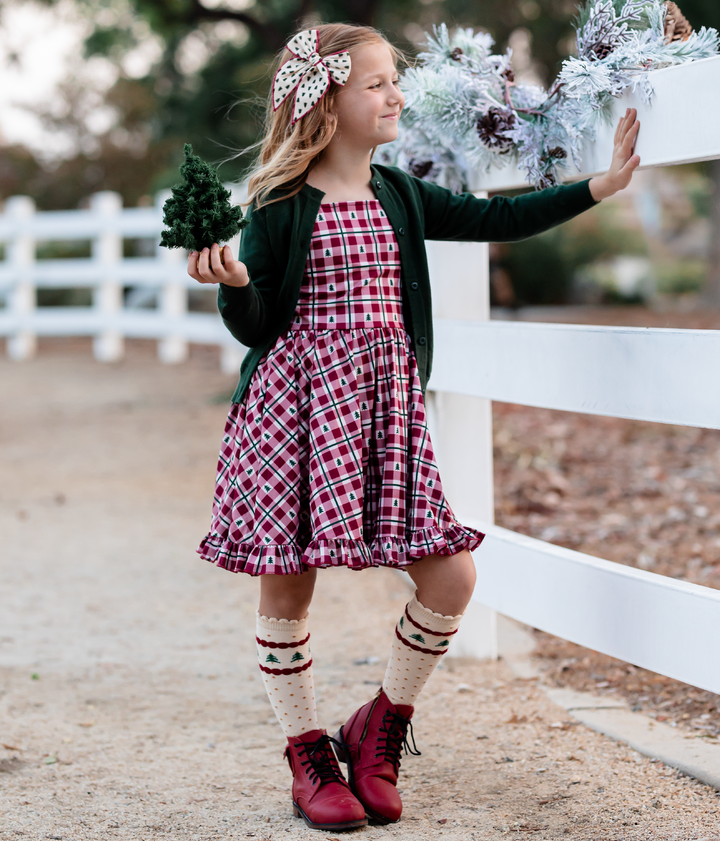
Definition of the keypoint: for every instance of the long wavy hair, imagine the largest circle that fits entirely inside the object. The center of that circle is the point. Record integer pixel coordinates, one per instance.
(288, 152)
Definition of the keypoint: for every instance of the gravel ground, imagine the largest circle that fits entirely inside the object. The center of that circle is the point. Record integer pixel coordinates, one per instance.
(130, 704)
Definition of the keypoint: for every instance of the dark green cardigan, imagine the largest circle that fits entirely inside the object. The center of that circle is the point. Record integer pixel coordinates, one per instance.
(275, 245)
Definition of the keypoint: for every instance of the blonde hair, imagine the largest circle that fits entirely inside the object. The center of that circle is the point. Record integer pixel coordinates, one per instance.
(288, 152)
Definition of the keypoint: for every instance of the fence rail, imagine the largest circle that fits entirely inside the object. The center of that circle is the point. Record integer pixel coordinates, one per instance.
(108, 274)
(651, 374)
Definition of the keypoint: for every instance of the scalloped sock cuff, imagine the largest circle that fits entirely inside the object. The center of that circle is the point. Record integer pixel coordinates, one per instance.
(283, 647)
(421, 638)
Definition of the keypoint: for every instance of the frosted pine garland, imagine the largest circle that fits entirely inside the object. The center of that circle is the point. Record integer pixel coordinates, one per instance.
(464, 111)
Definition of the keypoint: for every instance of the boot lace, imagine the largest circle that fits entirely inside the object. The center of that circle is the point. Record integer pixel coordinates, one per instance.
(394, 737)
(321, 763)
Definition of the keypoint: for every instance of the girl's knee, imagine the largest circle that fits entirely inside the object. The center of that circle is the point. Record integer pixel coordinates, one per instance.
(445, 582)
(465, 576)
(286, 596)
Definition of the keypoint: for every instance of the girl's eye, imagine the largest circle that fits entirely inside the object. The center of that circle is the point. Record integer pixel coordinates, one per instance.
(378, 84)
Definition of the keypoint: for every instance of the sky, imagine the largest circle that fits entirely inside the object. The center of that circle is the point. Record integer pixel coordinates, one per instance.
(45, 45)
(40, 47)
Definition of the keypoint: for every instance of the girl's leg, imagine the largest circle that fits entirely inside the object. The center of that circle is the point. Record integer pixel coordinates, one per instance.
(445, 585)
(321, 796)
(372, 738)
(283, 646)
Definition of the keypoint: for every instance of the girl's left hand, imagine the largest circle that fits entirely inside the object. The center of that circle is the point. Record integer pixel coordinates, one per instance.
(624, 160)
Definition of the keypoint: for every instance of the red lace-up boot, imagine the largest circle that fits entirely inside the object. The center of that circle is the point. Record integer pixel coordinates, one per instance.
(370, 743)
(321, 796)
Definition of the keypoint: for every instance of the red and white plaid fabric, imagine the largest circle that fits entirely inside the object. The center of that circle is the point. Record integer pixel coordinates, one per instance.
(328, 460)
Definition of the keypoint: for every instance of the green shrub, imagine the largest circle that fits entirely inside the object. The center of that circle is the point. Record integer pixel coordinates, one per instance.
(681, 277)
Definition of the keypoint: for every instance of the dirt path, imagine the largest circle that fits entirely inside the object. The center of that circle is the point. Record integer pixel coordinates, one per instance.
(130, 705)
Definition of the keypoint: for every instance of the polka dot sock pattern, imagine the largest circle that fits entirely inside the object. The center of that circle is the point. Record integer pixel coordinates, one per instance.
(421, 638)
(283, 647)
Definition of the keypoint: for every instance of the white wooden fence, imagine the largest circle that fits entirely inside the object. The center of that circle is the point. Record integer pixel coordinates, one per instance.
(666, 376)
(106, 224)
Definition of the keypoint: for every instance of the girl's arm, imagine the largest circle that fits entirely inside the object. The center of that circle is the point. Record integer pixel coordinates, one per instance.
(246, 286)
(500, 219)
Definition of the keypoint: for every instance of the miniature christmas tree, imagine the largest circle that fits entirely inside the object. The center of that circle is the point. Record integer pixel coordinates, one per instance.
(199, 212)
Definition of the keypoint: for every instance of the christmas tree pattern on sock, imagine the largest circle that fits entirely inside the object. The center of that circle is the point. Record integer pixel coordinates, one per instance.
(283, 647)
(421, 638)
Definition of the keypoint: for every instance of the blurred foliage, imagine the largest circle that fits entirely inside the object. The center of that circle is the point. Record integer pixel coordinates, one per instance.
(63, 249)
(682, 277)
(542, 269)
(209, 85)
(701, 12)
(69, 297)
(699, 189)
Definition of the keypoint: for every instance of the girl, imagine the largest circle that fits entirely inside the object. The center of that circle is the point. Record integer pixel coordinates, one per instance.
(326, 458)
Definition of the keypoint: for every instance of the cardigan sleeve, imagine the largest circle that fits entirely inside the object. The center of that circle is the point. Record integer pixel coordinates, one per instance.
(465, 217)
(246, 310)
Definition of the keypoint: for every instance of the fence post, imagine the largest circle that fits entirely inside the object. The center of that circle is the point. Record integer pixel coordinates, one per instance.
(21, 259)
(173, 347)
(107, 252)
(460, 425)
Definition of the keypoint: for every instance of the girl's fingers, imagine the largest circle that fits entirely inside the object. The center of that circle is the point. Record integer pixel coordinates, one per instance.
(204, 270)
(192, 266)
(631, 137)
(626, 124)
(216, 263)
(630, 167)
(619, 127)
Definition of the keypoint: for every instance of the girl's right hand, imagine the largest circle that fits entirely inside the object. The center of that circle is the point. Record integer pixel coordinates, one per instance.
(206, 267)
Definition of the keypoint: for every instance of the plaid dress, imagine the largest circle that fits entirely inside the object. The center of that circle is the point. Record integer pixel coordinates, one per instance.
(327, 461)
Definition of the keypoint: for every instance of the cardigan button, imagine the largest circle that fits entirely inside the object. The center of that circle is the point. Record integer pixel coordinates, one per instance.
(421, 340)
(414, 284)
(401, 231)
(378, 185)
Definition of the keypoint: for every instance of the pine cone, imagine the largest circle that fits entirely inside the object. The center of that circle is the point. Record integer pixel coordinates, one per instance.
(603, 50)
(557, 152)
(456, 53)
(490, 128)
(677, 26)
(420, 168)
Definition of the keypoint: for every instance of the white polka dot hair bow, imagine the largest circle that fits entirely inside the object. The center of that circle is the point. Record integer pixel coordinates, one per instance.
(309, 72)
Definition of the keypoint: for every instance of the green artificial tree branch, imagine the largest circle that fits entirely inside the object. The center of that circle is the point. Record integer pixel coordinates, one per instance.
(199, 212)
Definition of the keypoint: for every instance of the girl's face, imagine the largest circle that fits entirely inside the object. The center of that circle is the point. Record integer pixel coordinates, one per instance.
(369, 104)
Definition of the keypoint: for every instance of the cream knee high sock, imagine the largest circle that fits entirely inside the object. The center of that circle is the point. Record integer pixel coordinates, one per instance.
(283, 647)
(421, 638)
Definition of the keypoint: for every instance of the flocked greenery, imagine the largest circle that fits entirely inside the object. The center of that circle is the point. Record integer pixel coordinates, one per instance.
(199, 212)
(465, 112)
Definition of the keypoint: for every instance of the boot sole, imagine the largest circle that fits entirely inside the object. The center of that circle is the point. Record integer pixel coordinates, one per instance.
(343, 755)
(334, 827)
